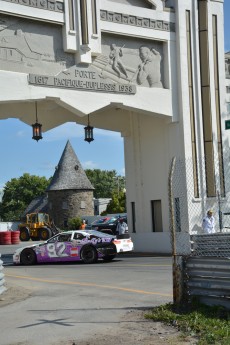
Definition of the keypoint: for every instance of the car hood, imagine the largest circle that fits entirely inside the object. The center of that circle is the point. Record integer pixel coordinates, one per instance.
(19, 250)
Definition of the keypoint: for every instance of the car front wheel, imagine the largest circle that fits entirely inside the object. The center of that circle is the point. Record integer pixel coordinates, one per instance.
(28, 257)
(89, 255)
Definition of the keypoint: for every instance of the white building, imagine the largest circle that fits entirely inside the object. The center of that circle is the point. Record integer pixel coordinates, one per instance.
(100, 205)
(152, 70)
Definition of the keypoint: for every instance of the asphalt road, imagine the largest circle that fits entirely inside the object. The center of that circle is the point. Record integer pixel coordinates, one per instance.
(74, 301)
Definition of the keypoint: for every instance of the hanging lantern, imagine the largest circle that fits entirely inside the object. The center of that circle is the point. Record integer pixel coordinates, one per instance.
(37, 127)
(88, 132)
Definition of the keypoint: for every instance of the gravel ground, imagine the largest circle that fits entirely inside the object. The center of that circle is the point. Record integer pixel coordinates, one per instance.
(133, 329)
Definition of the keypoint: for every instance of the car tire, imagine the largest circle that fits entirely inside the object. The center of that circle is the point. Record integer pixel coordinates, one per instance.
(28, 257)
(44, 234)
(89, 255)
(24, 234)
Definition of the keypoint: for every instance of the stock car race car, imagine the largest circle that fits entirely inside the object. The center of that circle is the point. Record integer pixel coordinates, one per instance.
(74, 245)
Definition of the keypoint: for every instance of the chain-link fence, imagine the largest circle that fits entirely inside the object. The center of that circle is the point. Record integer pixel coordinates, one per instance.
(194, 188)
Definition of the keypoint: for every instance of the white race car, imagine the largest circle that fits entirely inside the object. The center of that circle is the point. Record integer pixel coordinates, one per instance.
(74, 245)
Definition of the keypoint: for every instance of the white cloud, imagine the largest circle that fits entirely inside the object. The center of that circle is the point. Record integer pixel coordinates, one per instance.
(21, 134)
(89, 165)
(122, 172)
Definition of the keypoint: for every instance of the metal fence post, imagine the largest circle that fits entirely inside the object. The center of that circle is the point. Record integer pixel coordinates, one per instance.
(177, 261)
(219, 212)
(171, 208)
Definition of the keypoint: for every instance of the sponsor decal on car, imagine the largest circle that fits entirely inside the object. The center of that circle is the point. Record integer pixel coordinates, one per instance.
(74, 251)
(95, 240)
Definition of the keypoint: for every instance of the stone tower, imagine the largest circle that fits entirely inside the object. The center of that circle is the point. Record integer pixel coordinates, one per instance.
(70, 193)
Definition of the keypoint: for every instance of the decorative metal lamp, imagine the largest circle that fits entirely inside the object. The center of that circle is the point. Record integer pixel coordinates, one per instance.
(37, 127)
(88, 132)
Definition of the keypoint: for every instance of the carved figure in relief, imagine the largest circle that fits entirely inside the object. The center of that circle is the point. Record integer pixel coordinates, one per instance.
(149, 69)
(115, 60)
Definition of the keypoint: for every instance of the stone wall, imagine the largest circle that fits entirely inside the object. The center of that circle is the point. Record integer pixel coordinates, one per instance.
(67, 204)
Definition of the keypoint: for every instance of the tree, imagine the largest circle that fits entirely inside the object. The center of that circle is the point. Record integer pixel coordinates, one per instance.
(117, 204)
(74, 223)
(18, 193)
(105, 182)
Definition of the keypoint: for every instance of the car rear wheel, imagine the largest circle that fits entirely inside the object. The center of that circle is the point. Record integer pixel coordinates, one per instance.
(89, 255)
(28, 257)
(24, 235)
(45, 234)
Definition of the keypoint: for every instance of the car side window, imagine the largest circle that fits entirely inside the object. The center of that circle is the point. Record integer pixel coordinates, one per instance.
(78, 236)
(64, 238)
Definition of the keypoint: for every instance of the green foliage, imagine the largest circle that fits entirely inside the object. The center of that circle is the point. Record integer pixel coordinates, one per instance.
(109, 185)
(211, 325)
(117, 204)
(105, 182)
(74, 223)
(18, 193)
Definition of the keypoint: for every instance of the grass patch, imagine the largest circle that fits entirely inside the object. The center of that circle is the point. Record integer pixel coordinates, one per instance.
(211, 325)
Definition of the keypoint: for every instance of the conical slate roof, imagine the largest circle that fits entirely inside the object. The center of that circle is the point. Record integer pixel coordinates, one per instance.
(69, 173)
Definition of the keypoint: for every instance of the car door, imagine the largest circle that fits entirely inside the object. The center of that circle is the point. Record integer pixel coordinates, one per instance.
(56, 249)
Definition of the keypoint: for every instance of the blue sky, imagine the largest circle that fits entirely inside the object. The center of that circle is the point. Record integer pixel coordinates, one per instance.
(227, 25)
(20, 154)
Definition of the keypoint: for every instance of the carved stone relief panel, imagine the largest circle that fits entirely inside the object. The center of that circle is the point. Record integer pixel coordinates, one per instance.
(31, 46)
(37, 49)
(131, 60)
